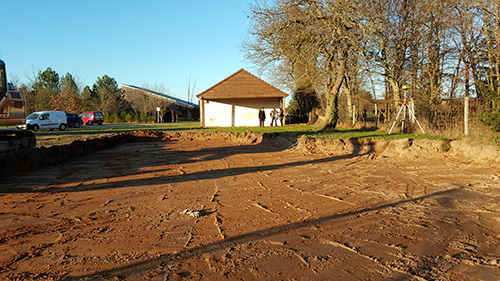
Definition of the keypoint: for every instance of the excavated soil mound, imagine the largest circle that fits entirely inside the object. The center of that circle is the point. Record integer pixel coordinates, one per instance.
(400, 148)
(31, 159)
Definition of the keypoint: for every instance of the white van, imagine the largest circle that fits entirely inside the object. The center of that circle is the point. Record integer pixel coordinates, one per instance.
(45, 120)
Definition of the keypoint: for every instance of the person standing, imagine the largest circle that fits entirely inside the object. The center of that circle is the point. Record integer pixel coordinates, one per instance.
(262, 117)
(281, 115)
(274, 117)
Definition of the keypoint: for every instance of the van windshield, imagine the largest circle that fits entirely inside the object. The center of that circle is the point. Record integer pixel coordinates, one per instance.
(33, 116)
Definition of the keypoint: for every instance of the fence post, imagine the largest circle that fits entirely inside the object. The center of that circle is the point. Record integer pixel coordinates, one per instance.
(466, 115)
(376, 115)
(412, 106)
(354, 115)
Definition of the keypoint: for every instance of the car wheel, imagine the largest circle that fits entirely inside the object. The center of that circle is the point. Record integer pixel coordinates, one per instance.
(35, 128)
(89, 123)
(62, 127)
(76, 125)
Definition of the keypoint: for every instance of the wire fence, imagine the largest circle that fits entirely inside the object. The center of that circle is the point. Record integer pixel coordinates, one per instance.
(443, 117)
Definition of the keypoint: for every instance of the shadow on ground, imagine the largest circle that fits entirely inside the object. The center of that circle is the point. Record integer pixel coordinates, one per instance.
(171, 259)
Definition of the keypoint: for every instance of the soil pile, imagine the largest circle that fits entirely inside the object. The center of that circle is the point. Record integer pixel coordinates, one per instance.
(31, 159)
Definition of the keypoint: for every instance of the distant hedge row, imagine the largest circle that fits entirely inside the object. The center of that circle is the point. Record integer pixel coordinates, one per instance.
(129, 117)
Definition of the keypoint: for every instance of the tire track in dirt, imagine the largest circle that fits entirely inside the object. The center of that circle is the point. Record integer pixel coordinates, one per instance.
(266, 209)
(126, 230)
(217, 218)
(370, 258)
(333, 198)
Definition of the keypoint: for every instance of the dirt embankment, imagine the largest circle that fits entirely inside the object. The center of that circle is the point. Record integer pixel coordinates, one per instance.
(31, 159)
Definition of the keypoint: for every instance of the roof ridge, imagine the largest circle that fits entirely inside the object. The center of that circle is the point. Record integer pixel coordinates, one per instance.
(234, 74)
(167, 96)
(227, 78)
(265, 82)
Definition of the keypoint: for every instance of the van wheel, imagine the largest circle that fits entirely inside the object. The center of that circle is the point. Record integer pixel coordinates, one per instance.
(62, 127)
(35, 128)
(89, 123)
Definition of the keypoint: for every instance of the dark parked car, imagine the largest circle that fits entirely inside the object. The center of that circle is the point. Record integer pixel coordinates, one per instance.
(74, 121)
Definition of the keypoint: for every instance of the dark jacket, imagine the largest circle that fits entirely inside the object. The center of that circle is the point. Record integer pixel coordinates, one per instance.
(262, 115)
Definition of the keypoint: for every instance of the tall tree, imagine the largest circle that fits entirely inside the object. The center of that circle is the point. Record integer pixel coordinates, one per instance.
(468, 41)
(46, 85)
(69, 99)
(490, 12)
(390, 28)
(435, 45)
(29, 95)
(302, 103)
(89, 99)
(307, 35)
(108, 95)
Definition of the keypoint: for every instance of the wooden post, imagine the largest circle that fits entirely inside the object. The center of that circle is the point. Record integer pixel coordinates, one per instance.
(376, 115)
(354, 115)
(466, 115)
(233, 115)
(412, 106)
(387, 112)
(202, 112)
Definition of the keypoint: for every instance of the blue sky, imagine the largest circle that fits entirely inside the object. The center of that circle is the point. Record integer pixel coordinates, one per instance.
(135, 42)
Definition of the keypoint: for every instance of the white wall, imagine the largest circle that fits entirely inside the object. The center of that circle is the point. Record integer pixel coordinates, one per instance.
(246, 112)
(246, 116)
(217, 114)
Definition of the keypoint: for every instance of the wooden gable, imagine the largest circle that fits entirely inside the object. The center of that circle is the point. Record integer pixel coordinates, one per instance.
(241, 85)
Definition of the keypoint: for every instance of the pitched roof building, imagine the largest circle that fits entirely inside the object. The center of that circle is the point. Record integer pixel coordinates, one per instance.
(236, 101)
(170, 108)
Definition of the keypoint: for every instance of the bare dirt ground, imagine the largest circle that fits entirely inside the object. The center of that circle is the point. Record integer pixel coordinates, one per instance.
(324, 210)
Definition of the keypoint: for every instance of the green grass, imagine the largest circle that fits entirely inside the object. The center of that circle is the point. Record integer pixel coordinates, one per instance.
(349, 133)
(338, 133)
(296, 128)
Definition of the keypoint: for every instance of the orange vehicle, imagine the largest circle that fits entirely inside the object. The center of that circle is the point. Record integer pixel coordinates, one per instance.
(12, 112)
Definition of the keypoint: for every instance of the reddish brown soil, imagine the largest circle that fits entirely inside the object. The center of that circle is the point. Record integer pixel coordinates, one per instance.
(322, 210)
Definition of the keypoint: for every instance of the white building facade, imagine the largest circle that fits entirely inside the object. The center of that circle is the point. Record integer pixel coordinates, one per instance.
(236, 101)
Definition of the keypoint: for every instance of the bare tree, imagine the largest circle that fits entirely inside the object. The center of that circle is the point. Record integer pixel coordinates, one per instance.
(490, 14)
(315, 38)
(467, 41)
(190, 86)
(436, 48)
(390, 28)
(141, 101)
(147, 103)
(328, 46)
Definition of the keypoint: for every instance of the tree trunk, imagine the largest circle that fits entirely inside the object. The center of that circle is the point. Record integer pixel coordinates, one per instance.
(333, 90)
(396, 91)
(348, 94)
(466, 115)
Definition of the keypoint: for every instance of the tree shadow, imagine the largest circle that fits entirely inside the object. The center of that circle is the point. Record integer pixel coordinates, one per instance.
(169, 259)
(188, 156)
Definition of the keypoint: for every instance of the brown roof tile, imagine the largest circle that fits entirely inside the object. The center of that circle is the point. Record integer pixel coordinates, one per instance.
(242, 84)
